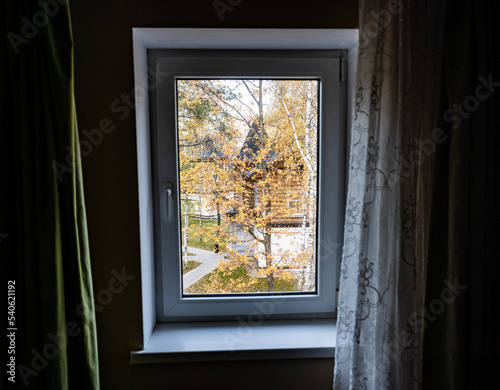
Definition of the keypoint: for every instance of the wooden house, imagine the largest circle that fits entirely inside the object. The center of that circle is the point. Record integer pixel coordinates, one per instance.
(288, 202)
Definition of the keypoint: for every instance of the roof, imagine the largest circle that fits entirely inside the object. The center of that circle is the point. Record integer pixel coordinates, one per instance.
(207, 150)
(252, 145)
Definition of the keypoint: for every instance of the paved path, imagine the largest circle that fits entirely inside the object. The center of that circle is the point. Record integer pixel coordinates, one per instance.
(208, 260)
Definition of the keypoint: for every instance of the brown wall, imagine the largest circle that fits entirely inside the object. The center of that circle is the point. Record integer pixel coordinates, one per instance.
(103, 72)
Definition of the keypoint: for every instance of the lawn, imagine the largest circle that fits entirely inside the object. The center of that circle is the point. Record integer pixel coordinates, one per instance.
(200, 287)
(206, 241)
(191, 264)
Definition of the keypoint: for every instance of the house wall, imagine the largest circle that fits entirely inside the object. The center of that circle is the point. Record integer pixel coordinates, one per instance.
(103, 85)
(283, 193)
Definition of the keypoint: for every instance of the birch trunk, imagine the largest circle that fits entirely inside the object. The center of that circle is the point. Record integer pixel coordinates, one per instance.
(310, 145)
(186, 227)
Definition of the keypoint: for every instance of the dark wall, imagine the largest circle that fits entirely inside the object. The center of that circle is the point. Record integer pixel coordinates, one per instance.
(104, 73)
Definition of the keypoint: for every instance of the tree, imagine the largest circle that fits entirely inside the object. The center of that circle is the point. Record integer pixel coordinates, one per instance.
(256, 139)
(308, 152)
(202, 127)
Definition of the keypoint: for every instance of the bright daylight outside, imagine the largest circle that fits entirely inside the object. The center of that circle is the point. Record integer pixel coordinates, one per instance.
(248, 185)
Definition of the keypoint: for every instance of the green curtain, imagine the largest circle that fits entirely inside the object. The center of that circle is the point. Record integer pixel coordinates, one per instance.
(462, 337)
(44, 242)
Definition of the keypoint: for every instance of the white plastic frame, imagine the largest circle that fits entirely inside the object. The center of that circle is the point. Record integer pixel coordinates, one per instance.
(187, 38)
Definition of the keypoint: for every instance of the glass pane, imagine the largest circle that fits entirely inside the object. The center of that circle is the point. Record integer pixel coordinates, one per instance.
(248, 185)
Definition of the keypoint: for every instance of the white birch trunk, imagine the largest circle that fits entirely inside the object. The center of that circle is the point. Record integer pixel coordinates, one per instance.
(185, 236)
(310, 144)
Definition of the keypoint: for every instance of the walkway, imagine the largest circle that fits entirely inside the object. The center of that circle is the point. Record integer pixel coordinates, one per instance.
(208, 260)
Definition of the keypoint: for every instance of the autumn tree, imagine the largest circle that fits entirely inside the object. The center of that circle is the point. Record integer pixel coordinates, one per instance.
(256, 141)
(299, 102)
(203, 128)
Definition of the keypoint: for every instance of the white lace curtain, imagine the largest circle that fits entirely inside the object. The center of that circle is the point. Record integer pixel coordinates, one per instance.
(380, 282)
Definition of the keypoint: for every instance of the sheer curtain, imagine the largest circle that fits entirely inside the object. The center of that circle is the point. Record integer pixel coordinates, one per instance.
(394, 137)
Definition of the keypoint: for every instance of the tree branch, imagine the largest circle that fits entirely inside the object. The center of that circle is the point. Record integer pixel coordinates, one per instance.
(251, 93)
(229, 105)
(309, 164)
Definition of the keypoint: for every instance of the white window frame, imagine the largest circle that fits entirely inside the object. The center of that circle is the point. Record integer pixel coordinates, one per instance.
(231, 39)
(170, 65)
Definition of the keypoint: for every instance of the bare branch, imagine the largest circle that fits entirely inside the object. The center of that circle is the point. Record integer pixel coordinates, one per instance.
(308, 162)
(251, 93)
(195, 144)
(229, 105)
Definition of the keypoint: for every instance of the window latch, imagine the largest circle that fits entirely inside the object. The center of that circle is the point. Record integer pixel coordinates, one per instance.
(167, 192)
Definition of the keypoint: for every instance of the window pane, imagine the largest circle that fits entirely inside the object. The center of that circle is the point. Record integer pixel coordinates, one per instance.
(248, 185)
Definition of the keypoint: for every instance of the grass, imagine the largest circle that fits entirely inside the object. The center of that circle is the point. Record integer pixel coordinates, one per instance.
(206, 242)
(191, 264)
(200, 287)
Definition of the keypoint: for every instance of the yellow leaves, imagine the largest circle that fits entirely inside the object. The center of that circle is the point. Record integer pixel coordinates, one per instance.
(270, 185)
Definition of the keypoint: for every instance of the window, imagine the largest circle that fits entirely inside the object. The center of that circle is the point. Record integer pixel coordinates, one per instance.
(231, 131)
(197, 341)
(256, 137)
(297, 203)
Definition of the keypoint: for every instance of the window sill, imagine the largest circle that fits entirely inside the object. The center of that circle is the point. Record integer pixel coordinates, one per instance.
(224, 341)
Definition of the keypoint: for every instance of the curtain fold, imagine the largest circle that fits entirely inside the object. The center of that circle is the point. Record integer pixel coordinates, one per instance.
(394, 138)
(56, 343)
(420, 262)
(461, 343)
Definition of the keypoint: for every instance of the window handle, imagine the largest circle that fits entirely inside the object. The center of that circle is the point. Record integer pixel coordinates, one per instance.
(167, 191)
